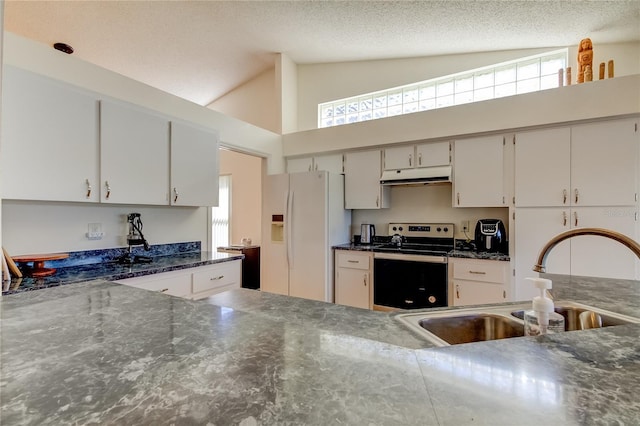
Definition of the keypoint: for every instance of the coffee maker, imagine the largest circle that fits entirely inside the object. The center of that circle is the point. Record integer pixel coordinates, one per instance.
(491, 236)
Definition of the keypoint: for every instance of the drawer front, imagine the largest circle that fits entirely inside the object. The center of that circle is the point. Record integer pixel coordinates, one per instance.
(491, 271)
(174, 284)
(224, 274)
(353, 260)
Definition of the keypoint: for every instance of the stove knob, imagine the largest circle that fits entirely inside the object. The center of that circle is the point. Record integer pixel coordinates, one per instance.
(400, 228)
(394, 228)
(446, 229)
(439, 229)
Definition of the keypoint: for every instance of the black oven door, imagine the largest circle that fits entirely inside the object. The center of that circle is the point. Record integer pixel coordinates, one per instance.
(409, 282)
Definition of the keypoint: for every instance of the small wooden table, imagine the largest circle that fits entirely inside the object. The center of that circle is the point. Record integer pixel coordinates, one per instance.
(38, 269)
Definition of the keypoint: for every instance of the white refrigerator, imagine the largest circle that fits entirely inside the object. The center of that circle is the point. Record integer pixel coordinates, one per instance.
(303, 216)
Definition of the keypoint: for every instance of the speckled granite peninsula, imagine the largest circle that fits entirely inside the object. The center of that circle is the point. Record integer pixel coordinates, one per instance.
(102, 353)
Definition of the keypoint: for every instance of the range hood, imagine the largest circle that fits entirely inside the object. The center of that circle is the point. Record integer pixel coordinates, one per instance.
(417, 176)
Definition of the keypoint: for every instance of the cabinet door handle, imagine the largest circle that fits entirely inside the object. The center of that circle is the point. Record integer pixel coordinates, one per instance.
(458, 197)
(575, 218)
(106, 183)
(378, 201)
(577, 194)
(457, 292)
(564, 196)
(163, 290)
(175, 195)
(478, 272)
(564, 218)
(410, 158)
(316, 167)
(353, 261)
(420, 159)
(364, 279)
(504, 294)
(216, 278)
(309, 167)
(88, 188)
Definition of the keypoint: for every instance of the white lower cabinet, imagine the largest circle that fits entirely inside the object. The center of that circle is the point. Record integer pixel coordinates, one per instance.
(192, 283)
(353, 278)
(477, 282)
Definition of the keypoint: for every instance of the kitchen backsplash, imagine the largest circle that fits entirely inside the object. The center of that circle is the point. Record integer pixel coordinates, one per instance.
(427, 203)
(88, 257)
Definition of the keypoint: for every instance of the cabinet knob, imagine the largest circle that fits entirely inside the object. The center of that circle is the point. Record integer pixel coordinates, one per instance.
(564, 218)
(575, 218)
(216, 278)
(106, 183)
(364, 279)
(175, 195)
(88, 188)
(577, 194)
(564, 196)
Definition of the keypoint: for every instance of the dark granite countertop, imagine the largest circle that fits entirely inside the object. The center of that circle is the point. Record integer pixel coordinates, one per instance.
(115, 271)
(102, 353)
(467, 254)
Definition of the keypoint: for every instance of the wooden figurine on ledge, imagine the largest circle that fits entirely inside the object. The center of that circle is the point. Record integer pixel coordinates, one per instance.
(585, 57)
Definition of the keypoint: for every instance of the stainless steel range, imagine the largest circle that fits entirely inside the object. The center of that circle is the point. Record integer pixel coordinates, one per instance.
(410, 271)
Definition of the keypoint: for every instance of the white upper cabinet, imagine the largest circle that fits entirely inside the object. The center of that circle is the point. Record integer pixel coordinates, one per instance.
(331, 163)
(433, 154)
(424, 155)
(542, 172)
(194, 166)
(402, 157)
(134, 155)
(362, 189)
(479, 172)
(298, 165)
(586, 165)
(604, 158)
(49, 140)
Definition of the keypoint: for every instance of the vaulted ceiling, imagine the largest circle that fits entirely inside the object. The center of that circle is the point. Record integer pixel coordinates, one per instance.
(200, 50)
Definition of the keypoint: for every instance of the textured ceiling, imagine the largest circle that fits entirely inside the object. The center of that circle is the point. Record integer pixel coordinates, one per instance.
(200, 50)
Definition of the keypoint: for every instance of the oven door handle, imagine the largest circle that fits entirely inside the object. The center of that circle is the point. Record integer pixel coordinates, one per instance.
(411, 257)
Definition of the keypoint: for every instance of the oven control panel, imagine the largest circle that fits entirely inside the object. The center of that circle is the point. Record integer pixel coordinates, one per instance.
(433, 230)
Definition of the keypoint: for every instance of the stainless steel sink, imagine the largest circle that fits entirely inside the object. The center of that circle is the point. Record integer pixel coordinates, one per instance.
(476, 324)
(472, 327)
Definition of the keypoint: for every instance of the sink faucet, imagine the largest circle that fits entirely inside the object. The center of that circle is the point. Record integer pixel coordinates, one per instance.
(616, 236)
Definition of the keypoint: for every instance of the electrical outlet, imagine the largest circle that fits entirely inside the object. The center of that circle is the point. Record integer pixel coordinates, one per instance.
(95, 231)
(465, 226)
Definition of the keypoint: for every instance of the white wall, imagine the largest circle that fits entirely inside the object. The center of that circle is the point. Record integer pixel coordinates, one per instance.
(246, 194)
(430, 203)
(253, 102)
(48, 227)
(319, 83)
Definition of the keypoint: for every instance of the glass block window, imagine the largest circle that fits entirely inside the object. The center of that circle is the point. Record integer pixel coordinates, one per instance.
(524, 75)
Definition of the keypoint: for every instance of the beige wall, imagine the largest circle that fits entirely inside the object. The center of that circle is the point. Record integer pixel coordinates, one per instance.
(253, 102)
(246, 198)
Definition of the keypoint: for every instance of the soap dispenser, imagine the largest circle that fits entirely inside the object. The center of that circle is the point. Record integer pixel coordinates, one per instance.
(542, 318)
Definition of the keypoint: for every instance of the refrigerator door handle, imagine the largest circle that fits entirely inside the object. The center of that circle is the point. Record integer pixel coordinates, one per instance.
(289, 224)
